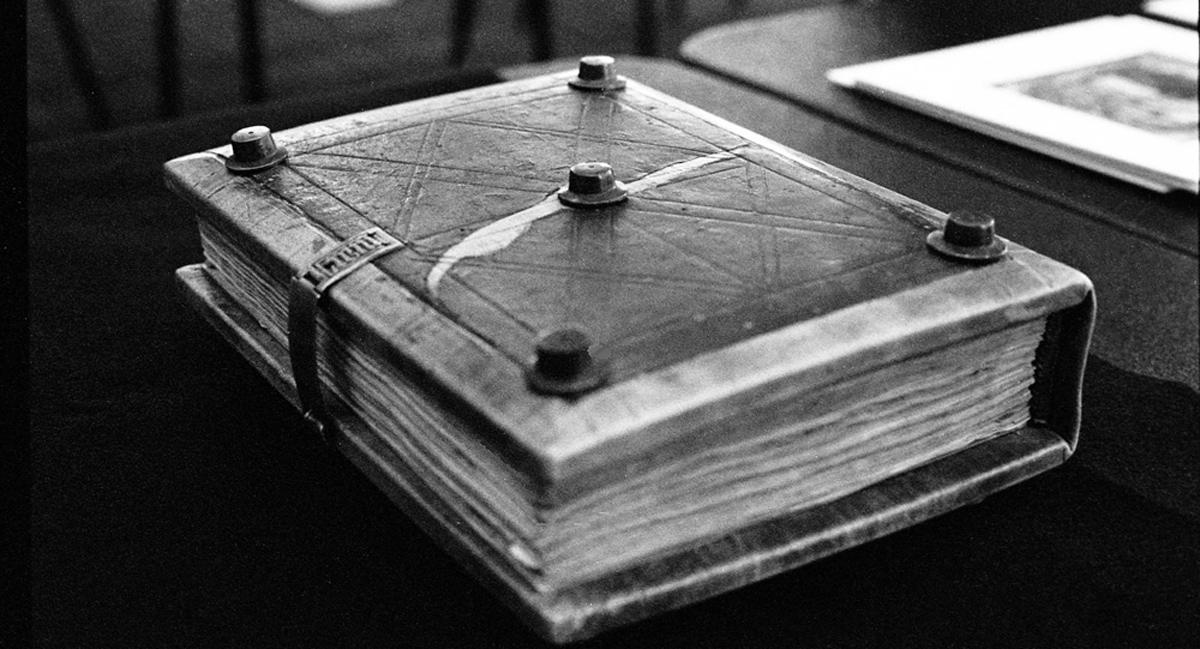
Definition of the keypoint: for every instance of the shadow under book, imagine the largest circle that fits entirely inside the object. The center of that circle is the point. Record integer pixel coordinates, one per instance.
(616, 354)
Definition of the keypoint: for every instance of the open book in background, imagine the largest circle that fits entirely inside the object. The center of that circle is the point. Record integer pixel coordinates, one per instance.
(1180, 11)
(1113, 94)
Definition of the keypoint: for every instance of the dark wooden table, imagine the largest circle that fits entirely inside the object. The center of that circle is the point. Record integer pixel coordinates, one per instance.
(177, 500)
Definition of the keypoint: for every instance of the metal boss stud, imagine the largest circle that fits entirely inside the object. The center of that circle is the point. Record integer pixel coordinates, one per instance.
(591, 184)
(969, 236)
(254, 149)
(597, 73)
(563, 364)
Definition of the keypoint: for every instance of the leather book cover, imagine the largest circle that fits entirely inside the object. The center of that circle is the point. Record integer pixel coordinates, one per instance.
(712, 275)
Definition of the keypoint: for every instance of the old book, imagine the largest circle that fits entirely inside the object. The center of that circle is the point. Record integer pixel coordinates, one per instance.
(617, 354)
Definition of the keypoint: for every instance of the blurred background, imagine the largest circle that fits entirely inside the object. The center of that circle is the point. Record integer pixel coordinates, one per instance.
(102, 64)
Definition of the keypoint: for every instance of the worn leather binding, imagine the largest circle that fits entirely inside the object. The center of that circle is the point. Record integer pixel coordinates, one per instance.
(467, 185)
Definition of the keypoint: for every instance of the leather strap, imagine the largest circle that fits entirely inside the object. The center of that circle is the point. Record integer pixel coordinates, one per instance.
(304, 301)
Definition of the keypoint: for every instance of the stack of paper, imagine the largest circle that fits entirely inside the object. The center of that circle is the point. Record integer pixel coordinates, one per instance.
(1182, 11)
(1114, 94)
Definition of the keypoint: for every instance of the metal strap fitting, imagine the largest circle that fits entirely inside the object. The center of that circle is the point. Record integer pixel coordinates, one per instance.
(304, 298)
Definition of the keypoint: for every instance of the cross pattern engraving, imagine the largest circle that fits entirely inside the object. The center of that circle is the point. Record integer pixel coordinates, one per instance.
(720, 239)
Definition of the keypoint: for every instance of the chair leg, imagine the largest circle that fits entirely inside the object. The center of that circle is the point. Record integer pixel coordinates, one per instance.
(254, 81)
(537, 16)
(460, 36)
(168, 59)
(677, 11)
(646, 34)
(80, 64)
